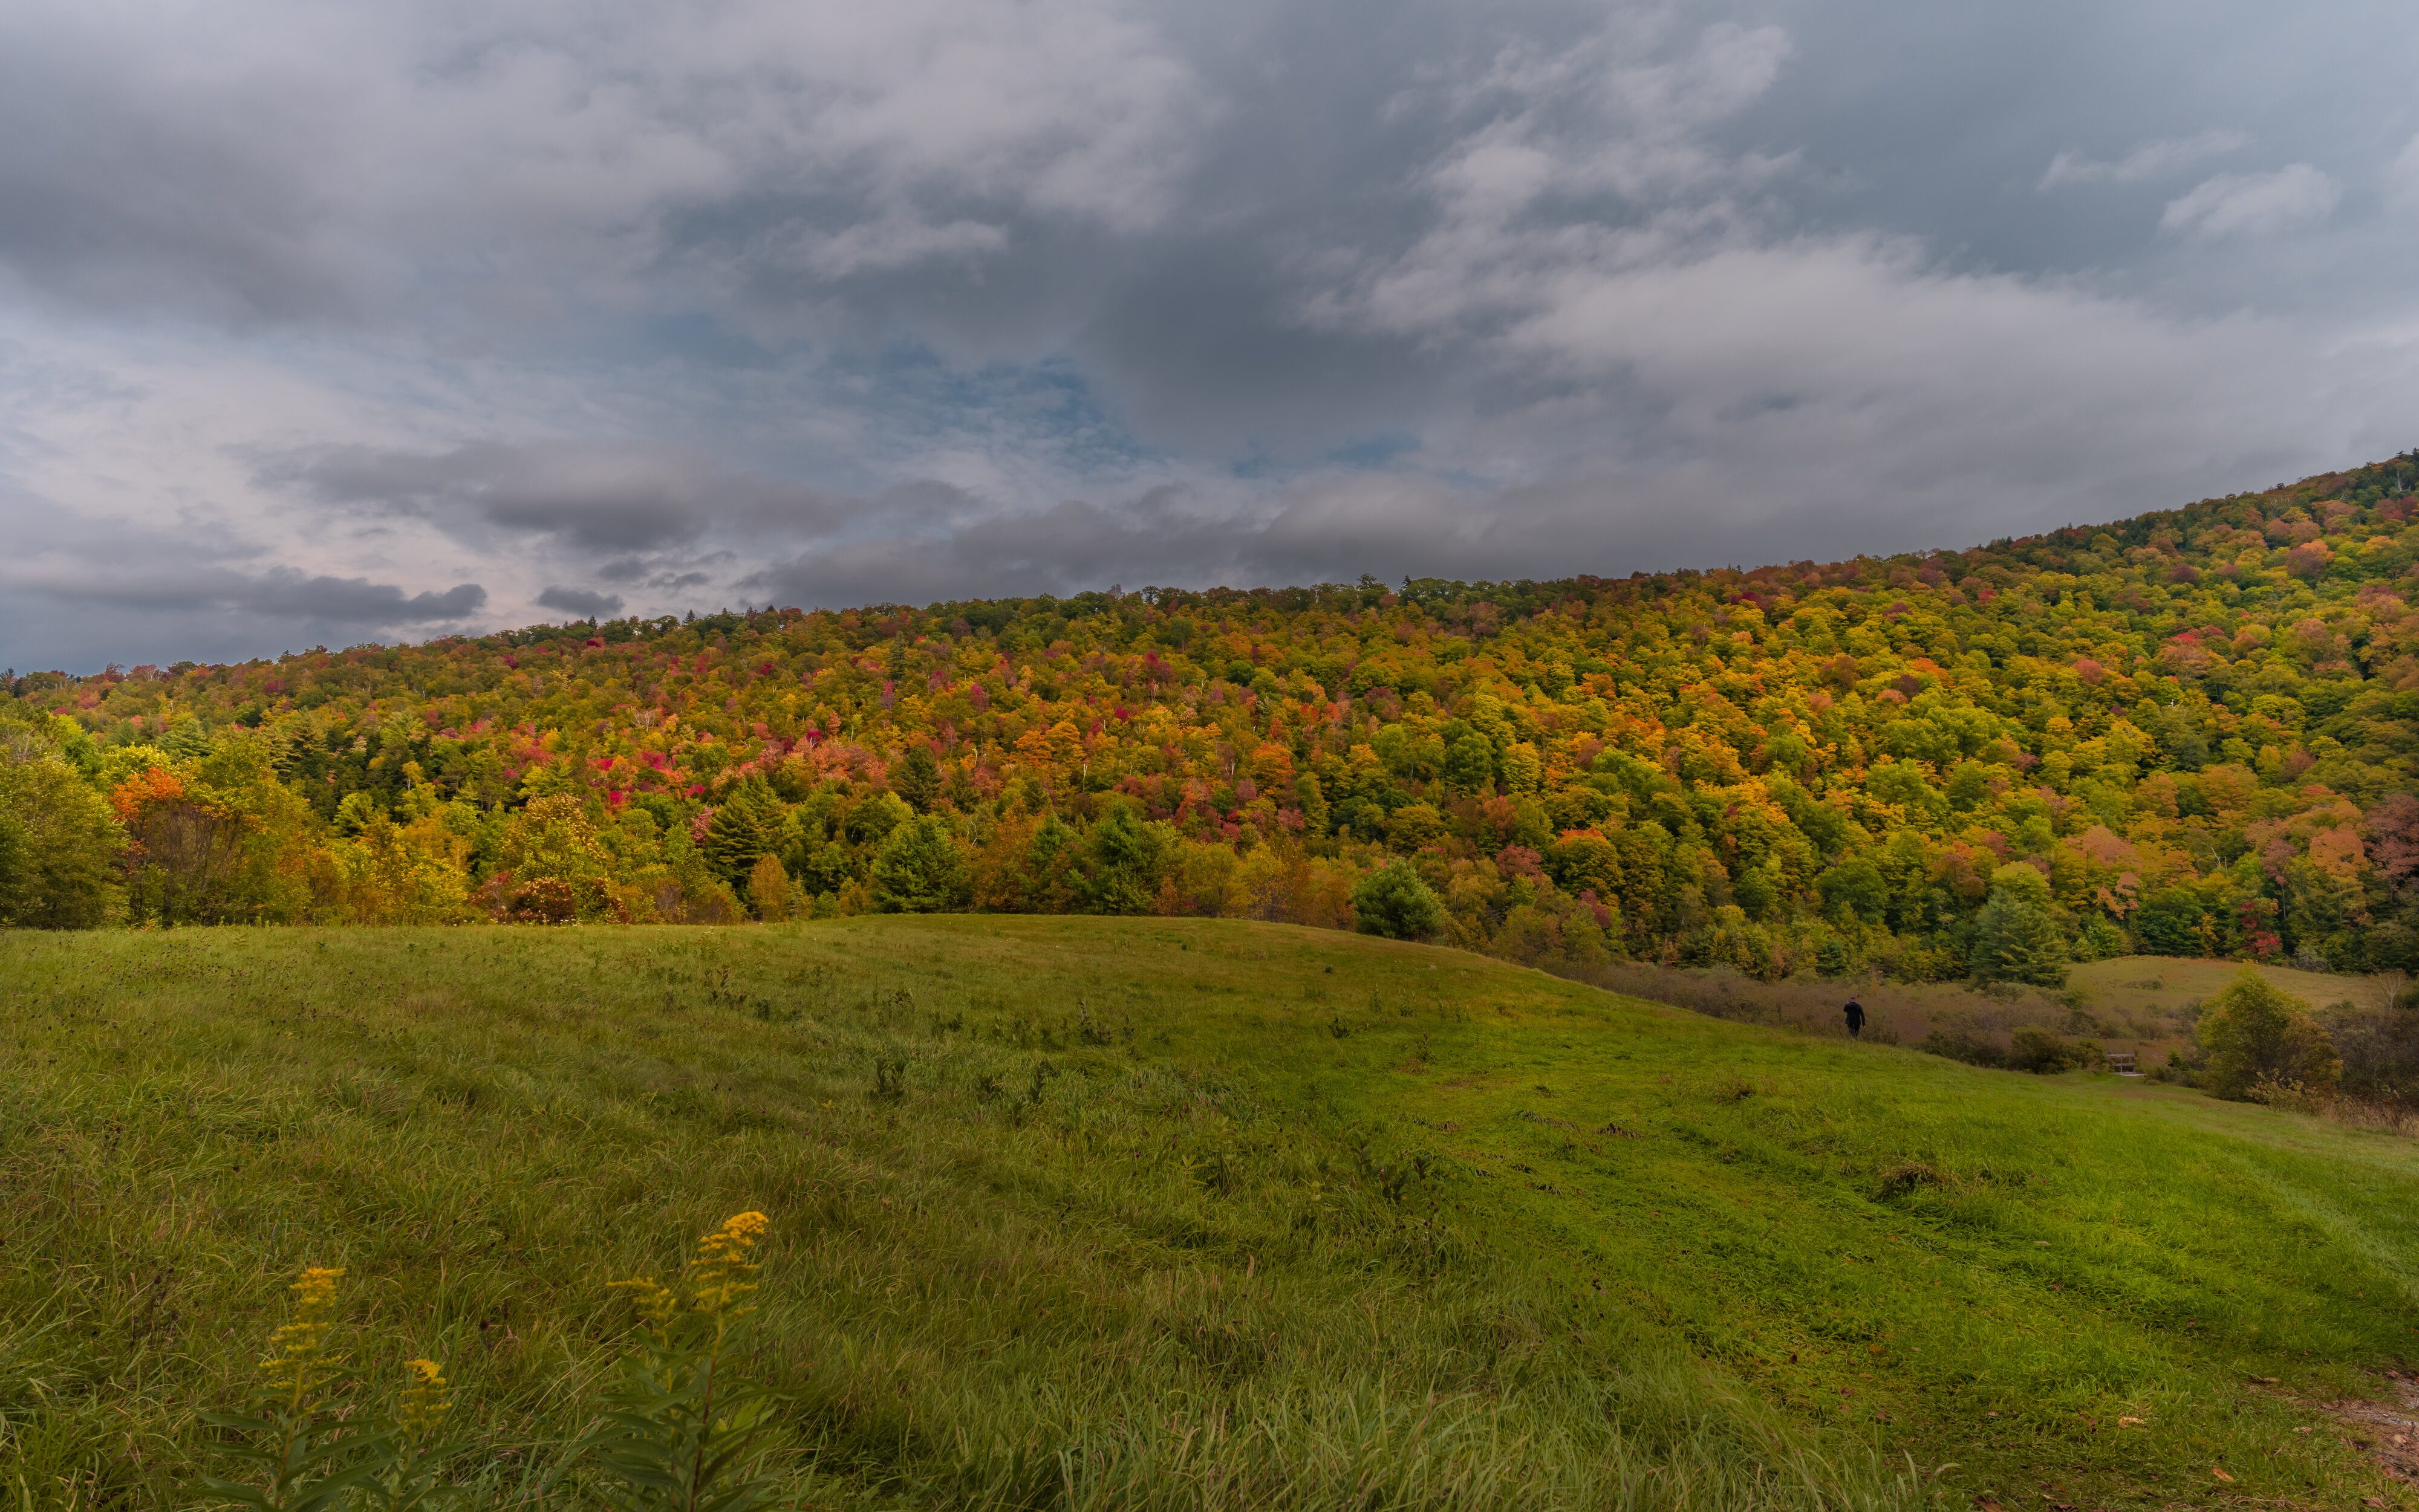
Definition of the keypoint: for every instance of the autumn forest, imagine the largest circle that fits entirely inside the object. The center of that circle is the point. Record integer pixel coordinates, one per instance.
(2193, 732)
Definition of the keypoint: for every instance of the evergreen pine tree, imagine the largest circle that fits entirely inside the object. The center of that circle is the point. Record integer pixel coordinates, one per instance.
(920, 869)
(1395, 903)
(746, 824)
(917, 779)
(2016, 937)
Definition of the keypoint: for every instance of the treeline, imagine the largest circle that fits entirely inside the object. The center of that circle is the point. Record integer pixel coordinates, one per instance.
(2193, 732)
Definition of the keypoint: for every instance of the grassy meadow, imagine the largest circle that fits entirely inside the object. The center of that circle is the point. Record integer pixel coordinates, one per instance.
(1082, 1213)
(2168, 985)
(2144, 1005)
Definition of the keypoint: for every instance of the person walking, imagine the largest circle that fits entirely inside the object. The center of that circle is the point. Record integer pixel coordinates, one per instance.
(1855, 1013)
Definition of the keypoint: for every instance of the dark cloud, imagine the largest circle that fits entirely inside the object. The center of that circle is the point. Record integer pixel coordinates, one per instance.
(601, 497)
(908, 303)
(582, 602)
(77, 619)
(123, 185)
(280, 593)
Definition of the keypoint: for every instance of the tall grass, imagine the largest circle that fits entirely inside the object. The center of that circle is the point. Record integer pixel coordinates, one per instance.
(1088, 1213)
(1022, 1259)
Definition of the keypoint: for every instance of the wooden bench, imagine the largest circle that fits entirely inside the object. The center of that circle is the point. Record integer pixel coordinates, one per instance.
(2121, 1063)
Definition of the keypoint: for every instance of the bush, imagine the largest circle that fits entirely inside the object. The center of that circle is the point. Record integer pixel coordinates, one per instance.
(2045, 1054)
(2257, 1035)
(542, 900)
(1395, 903)
(2380, 1047)
(1954, 1042)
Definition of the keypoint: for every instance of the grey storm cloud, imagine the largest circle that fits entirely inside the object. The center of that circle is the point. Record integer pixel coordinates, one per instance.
(582, 602)
(278, 593)
(605, 498)
(83, 617)
(342, 321)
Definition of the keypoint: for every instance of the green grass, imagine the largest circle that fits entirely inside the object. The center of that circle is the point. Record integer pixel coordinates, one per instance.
(1170, 1213)
(2165, 984)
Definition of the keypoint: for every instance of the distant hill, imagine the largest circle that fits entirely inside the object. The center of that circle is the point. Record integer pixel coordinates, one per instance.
(2191, 732)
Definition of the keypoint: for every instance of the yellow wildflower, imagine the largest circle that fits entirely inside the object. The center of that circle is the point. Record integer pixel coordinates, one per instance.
(298, 1364)
(721, 1274)
(425, 1399)
(656, 1303)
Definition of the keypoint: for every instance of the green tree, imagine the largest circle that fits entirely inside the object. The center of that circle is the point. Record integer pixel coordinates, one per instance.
(812, 857)
(2257, 1035)
(917, 779)
(1854, 888)
(1314, 804)
(920, 869)
(1469, 764)
(747, 826)
(2173, 920)
(1395, 903)
(59, 845)
(1048, 859)
(1121, 862)
(871, 821)
(553, 841)
(2016, 937)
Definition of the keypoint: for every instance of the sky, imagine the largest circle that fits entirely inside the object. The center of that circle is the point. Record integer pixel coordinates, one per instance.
(324, 323)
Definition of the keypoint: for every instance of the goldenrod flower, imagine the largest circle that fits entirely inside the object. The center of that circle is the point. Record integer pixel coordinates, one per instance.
(656, 1303)
(720, 1275)
(715, 1279)
(299, 1365)
(425, 1399)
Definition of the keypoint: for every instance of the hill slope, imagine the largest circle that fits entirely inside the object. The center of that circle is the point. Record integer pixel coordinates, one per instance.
(2199, 728)
(1173, 1212)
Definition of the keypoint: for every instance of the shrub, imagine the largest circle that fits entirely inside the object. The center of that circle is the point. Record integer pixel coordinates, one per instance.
(1955, 1042)
(546, 900)
(1395, 903)
(2380, 1047)
(2256, 1034)
(2035, 1050)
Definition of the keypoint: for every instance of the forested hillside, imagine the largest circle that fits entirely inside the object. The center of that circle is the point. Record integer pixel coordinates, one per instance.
(2193, 732)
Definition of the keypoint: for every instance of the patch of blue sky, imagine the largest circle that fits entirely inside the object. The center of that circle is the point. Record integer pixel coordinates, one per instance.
(1377, 451)
(1048, 404)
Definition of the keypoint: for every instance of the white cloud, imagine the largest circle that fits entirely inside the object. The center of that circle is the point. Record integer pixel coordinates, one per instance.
(343, 310)
(1729, 350)
(2253, 204)
(2151, 160)
(276, 150)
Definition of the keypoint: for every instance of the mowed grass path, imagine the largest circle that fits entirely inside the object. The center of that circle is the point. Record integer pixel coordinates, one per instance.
(1090, 1212)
